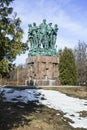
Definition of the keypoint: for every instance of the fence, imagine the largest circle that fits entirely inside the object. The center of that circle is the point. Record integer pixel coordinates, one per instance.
(11, 83)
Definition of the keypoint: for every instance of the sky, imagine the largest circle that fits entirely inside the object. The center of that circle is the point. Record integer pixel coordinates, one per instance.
(69, 15)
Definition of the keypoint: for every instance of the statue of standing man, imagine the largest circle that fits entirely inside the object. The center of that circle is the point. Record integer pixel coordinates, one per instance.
(55, 30)
(49, 35)
(43, 29)
(34, 33)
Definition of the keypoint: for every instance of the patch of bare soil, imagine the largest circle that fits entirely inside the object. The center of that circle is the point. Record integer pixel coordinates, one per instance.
(32, 117)
(83, 113)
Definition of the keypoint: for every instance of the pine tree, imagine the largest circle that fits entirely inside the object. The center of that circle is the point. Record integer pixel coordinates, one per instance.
(10, 37)
(67, 67)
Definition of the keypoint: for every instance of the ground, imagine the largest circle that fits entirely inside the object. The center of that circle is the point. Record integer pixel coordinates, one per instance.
(38, 117)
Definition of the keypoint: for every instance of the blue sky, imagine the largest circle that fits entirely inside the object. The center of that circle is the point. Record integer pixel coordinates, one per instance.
(70, 15)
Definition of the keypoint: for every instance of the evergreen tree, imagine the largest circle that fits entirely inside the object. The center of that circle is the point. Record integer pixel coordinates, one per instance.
(10, 37)
(67, 67)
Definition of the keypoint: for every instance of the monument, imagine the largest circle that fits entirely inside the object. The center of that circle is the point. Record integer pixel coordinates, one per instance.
(42, 59)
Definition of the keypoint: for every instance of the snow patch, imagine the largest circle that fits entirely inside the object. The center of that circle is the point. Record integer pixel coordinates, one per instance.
(53, 99)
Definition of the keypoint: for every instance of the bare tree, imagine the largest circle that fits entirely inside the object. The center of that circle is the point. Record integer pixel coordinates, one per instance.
(80, 53)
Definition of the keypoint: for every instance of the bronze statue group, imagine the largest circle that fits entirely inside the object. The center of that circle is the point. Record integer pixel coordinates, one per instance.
(42, 36)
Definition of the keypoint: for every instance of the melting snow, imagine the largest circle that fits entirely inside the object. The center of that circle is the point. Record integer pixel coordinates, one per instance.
(53, 99)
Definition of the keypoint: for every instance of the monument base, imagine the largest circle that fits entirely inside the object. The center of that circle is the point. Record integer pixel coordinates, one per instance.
(43, 70)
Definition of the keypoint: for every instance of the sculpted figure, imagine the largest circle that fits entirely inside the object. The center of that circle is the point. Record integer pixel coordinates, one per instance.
(30, 37)
(34, 34)
(49, 35)
(42, 38)
(39, 37)
(43, 28)
(55, 34)
(30, 29)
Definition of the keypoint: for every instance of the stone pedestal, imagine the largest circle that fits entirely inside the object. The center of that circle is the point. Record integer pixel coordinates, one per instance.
(43, 70)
